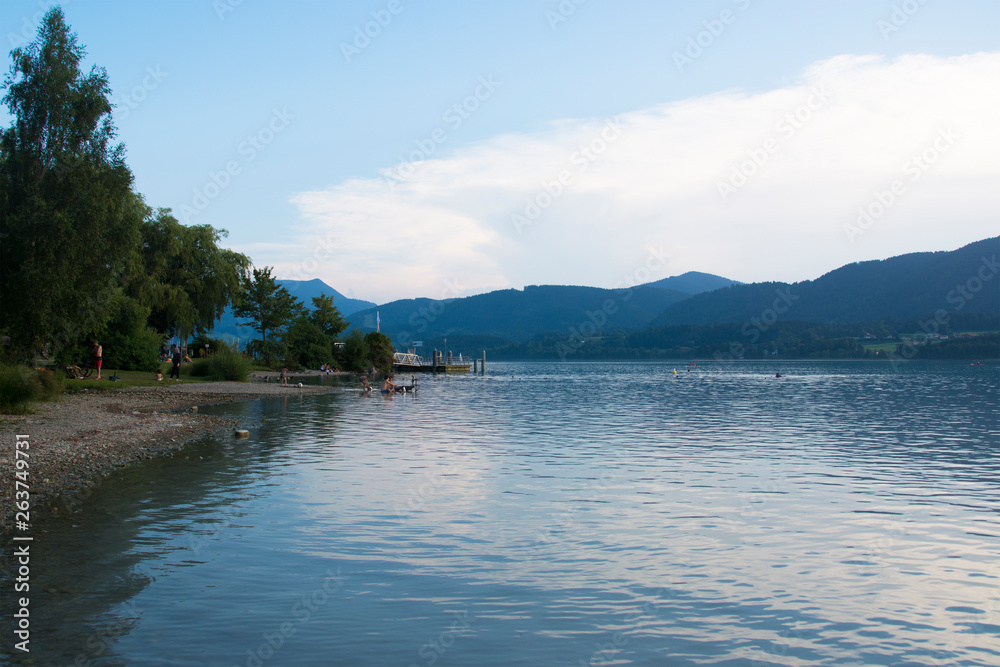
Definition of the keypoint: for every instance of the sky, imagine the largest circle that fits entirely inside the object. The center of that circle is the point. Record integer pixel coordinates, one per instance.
(419, 148)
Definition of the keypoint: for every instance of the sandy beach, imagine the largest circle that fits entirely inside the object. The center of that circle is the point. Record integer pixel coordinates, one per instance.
(80, 438)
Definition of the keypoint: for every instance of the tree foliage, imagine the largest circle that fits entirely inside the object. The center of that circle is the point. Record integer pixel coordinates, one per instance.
(307, 345)
(326, 316)
(129, 343)
(380, 351)
(69, 221)
(269, 307)
(355, 353)
(183, 275)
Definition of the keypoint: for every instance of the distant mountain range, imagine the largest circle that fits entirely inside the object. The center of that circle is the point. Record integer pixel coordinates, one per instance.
(907, 287)
(916, 285)
(520, 314)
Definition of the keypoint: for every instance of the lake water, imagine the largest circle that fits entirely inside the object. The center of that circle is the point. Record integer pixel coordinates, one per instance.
(553, 514)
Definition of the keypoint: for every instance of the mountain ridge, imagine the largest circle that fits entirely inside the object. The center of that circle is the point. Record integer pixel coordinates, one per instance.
(519, 314)
(912, 285)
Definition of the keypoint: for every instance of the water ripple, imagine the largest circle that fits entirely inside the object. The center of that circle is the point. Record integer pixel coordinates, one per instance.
(594, 513)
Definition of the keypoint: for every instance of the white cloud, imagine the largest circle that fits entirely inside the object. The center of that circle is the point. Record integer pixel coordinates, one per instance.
(840, 135)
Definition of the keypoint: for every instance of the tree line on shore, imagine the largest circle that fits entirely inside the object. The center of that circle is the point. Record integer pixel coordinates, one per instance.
(911, 338)
(84, 257)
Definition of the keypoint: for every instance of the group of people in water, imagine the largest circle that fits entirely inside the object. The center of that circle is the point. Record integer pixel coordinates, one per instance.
(388, 386)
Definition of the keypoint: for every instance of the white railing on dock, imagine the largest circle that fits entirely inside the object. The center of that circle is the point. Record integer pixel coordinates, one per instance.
(407, 358)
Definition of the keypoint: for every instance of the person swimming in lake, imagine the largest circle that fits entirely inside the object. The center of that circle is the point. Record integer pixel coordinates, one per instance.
(388, 385)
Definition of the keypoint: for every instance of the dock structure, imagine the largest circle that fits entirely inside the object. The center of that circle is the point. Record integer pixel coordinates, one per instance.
(410, 362)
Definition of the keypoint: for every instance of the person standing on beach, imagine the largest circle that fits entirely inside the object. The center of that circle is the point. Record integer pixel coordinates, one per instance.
(97, 352)
(176, 361)
(284, 376)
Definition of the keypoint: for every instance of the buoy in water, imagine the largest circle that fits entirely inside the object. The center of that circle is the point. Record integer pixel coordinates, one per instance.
(241, 433)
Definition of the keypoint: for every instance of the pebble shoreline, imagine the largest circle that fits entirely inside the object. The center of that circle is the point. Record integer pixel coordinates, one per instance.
(79, 439)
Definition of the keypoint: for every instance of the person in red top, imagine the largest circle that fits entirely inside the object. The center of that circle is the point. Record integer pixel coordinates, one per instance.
(97, 352)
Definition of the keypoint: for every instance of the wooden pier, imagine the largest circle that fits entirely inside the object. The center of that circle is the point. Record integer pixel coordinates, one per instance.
(409, 362)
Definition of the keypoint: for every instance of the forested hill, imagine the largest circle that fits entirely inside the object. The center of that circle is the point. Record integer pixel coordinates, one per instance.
(915, 285)
(305, 290)
(693, 282)
(518, 315)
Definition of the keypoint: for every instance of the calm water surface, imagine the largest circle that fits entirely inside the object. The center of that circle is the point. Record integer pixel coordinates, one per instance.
(554, 514)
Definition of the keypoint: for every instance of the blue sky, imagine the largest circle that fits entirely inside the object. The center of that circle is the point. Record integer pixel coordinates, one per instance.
(592, 142)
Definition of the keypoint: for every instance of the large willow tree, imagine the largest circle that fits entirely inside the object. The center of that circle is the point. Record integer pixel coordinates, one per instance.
(185, 278)
(69, 221)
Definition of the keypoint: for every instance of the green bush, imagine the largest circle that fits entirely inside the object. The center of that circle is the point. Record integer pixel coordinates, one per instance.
(226, 364)
(20, 384)
(138, 352)
(51, 384)
(201, 368)
(128, 343)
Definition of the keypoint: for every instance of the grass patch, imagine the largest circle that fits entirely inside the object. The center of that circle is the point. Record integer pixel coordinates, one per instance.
(129, 379)
(20, 385)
